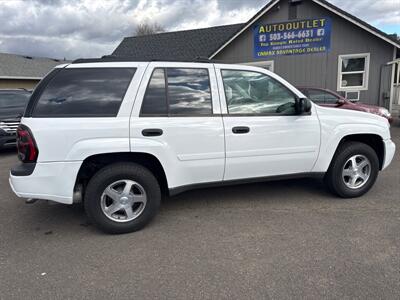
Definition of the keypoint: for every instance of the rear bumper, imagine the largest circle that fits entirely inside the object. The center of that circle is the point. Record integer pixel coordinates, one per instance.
(390, 149)
(52, 181)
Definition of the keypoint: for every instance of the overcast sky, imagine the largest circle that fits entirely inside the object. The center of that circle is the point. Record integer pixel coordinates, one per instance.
(92, 28)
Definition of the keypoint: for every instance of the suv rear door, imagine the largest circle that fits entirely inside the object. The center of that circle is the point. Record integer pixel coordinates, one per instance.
(176, 117)
(264, 135)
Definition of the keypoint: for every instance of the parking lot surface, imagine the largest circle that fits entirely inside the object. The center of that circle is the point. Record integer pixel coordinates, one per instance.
(287, 239)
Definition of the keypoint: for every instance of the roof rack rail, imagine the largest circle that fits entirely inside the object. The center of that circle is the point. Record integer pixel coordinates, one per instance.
(112, 58)
(15, 89)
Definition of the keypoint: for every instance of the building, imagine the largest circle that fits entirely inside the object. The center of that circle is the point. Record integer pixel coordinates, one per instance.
(17, 71)
(308, 42)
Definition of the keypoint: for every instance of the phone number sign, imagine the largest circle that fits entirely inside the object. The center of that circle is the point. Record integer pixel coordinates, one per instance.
(292, 38)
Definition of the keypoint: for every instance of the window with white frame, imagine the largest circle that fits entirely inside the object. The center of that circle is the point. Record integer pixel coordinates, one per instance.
(353, 70)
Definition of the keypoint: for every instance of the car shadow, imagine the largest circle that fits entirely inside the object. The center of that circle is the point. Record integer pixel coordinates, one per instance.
(49, 218)
(291, 190)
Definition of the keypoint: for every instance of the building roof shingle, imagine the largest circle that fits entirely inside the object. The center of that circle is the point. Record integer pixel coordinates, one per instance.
(25, 67)
(186, 44)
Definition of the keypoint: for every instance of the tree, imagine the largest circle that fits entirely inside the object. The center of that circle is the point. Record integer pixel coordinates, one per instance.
(148, 28)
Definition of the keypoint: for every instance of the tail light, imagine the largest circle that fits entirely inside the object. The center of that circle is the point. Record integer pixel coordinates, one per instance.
(27, 149)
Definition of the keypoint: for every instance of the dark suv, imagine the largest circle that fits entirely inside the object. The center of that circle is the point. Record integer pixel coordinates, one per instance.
(12, 106)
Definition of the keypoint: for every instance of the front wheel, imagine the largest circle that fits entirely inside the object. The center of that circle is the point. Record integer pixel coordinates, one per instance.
(353, 170)
(122, 197)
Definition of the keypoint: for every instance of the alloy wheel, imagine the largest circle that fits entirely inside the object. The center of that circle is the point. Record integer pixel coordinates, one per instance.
(356, 171)
(123, 200)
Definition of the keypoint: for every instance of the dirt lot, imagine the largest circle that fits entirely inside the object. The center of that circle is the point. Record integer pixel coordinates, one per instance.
(288, 239)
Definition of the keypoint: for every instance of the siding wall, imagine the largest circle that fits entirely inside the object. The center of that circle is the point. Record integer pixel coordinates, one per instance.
(15, 84)
(319, 69)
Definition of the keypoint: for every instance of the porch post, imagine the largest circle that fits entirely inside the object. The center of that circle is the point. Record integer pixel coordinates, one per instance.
(398, 81)
(392, 80)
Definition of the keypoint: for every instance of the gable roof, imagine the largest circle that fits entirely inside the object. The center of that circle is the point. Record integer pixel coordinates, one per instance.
(185, 45)
(14, 66)
(326, 5)
(208, 42)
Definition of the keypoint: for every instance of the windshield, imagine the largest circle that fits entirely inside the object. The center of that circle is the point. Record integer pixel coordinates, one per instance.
(324, 97)
(18, 99)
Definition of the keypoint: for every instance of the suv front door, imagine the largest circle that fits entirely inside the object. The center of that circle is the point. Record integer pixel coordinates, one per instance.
(263, 134)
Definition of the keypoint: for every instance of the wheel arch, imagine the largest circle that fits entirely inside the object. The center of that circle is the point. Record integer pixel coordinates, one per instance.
(362, 127)
(94, 163)
(375, 141)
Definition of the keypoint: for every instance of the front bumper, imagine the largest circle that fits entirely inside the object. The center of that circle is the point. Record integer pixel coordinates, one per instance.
(7, 140)
(52, 181)
(390, 149)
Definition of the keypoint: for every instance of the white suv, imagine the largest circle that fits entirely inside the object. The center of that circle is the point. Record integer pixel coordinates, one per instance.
(118, 134)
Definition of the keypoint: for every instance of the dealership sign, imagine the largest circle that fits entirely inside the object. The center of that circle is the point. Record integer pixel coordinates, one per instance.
(292, 38)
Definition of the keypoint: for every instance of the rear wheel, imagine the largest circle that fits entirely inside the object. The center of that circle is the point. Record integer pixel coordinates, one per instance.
(353, 170)
(122, 197)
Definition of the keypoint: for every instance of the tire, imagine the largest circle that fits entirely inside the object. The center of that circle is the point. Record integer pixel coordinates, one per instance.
(339, 183)
(116, 178)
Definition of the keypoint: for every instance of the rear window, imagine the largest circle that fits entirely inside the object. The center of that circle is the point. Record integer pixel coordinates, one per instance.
(16, 99)
(84, 92)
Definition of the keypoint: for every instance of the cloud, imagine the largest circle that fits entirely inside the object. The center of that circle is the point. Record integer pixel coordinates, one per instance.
(378, 13)
(87, 28)
(59, 48)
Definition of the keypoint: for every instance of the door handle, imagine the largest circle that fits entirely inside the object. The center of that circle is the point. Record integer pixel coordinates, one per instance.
(152, 132)
(241, 129)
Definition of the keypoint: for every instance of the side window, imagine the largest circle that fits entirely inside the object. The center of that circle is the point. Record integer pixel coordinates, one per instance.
(84, 92)
(249, 92)
(155, 99)
(187, 92)
(321, 97)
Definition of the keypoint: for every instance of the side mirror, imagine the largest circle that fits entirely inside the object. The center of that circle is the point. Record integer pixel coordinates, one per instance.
(340, 102)
(303, 105)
